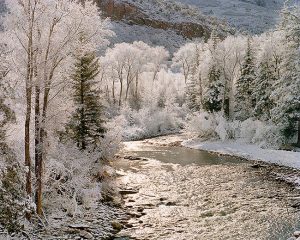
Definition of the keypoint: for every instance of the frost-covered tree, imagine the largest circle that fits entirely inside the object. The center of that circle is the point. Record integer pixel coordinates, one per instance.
(185, 59)
(262, 91)
(192, 95)
(42, 36)
(229, 56)
(86, 126)
(244, 99)
(125, 65)
(269, 57)
(213, 95)
(194, 83)
(286, 111)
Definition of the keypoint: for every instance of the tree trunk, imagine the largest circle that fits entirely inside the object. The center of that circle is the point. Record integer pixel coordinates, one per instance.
(27, 141)
(121, 92)
(298, 142)
(113, 92)
(37, 150)
(127, 90)
(136, 85)
(82, 120)
(40, 159)
(38, 154)
(28, 85)
(128, 81)
(28, 117)
(200, 90)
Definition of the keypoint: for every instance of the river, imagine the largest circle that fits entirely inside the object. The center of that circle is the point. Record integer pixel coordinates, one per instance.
(172, 192)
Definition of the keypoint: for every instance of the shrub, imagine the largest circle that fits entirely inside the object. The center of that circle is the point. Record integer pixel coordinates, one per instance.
(212, 126)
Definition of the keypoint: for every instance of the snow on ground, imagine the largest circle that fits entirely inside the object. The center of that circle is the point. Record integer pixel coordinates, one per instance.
(248, 151)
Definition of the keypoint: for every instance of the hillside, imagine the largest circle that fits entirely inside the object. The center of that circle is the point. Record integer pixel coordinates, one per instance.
(166, 23)
(171, 23)
(253, 15)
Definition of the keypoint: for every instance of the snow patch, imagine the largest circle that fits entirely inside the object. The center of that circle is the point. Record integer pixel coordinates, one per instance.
(247, 151)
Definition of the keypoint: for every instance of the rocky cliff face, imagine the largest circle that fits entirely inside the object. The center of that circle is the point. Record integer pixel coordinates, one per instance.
(133, 15)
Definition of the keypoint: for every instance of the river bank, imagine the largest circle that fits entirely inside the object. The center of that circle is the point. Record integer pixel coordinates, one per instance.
(229, 200)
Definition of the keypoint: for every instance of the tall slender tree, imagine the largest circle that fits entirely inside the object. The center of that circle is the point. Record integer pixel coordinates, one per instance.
(213, 96)
(244, 99)
(262, 90)
(87, 123)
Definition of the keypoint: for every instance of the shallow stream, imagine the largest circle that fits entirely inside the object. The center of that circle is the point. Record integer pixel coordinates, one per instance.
(180, 193)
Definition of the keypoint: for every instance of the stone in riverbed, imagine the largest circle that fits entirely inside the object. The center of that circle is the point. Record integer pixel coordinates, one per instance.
(132, 158)
(116, 225)
(163, 199)
(140, 209)
(129, 225)
(128, 191)
(86, 235)
(171, 204)
(136, 214)
(297, 234)
(78, 226)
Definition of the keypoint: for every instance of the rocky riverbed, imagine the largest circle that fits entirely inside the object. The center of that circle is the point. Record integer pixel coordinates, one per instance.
(100, 223)
(229, 200)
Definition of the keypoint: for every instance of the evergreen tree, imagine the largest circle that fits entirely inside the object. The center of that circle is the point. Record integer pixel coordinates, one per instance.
(212, 98)
(263, 89)
(244, 99)
(286, 112)
(213, 95)
(87, 123)
(192, 94)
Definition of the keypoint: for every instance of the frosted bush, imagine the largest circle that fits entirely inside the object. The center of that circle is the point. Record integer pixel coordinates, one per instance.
(222, 127)
(211, 126)
(233, 129)
(267, 135)
(151, 121)
(112, 141)
(71, 178)
(203, 124)
(248, 129)
(262, 133)
(90, 196)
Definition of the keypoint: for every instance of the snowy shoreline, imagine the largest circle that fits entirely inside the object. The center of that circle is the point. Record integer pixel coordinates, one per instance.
(247, 151)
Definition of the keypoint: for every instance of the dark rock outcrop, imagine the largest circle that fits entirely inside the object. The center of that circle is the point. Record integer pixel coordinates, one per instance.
(131, 14)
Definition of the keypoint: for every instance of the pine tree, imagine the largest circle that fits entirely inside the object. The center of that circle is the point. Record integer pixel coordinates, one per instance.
(192, 94)
(263, 89)
(286, 112)
(244, 99)
(213, 95)
(87, 123)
